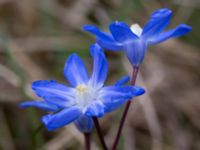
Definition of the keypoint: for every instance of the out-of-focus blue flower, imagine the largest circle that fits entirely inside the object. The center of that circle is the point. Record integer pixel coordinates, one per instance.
(135, 40)
(86, 98)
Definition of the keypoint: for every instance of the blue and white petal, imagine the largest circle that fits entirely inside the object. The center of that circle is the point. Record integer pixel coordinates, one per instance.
(41, 105)
(54, 93)
(103, 39)
(95, 109)
(100, 66)
(114, 96)
(173, 33)
(135, 51)
(62, 118)
(122, 32)
(113, 105)
(158, 21)
(114, 92)
(75, 71)
(84, 124)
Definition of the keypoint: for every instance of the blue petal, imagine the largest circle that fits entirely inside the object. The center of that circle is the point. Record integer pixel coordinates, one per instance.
(122, 81)
(41, 105)
(115, 92)
(100, 66)
(158, 21)
(75, 71)
(114, 96)
(103, 39)
(137, 91)
(95, 109)
(112, 106)
(62, 118)
(54, 93)
(121, 32)
(84, 124)
(135, 51)
(176, 32)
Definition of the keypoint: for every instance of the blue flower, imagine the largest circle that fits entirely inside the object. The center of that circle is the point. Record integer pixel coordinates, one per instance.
(135, 40)
(86, 98)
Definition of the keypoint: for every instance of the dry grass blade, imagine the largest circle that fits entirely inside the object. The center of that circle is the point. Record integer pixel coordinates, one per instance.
(32, 70)
(6, 141)
(9, 76)
(129, 138)
(35, 44)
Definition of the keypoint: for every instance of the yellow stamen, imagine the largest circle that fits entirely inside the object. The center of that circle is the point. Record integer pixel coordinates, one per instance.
(81, 88)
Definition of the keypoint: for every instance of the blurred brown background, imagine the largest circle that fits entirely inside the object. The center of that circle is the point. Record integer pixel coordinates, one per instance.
(37, 36)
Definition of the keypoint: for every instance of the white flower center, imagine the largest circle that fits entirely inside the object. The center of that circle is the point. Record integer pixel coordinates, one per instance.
(135, 28)
(85, 95)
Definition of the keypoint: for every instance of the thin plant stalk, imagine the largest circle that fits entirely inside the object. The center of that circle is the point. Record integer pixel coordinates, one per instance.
(123, 118)
(87, 141)
(99, 132)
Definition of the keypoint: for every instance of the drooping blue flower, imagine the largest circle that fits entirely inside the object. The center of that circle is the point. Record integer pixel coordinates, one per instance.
(135, 40)
(86, 98)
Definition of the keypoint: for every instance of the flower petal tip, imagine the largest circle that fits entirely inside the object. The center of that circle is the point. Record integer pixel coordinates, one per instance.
(89, 28)
(186, 27)
(45, 120)
(122, 81)
(138, 91)
(141, 91)
(163, 12)
(22, 105)
(39, 83)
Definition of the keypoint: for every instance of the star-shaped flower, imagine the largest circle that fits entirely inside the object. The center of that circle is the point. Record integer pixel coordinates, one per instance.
(135, 40)
(86, 98)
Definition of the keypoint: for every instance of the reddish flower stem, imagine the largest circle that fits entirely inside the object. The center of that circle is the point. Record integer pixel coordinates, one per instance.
(96, 123)
(123, 118)
(87, 141)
